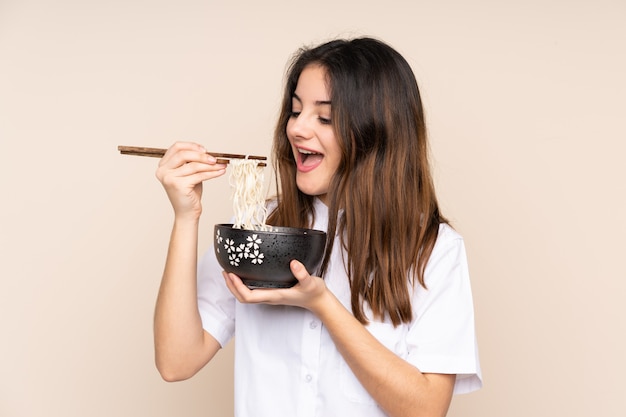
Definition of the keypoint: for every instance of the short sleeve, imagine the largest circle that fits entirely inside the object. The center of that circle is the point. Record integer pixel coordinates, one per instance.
(442, 337)
(216, 304)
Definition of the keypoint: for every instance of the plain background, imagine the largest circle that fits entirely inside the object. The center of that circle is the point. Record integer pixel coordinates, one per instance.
(526, 113)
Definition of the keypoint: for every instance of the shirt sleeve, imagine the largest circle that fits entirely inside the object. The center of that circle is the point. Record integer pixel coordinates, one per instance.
(216, 304)
(442, 337)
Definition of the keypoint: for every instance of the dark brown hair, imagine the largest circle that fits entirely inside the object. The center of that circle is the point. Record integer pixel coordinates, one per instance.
(383, 183)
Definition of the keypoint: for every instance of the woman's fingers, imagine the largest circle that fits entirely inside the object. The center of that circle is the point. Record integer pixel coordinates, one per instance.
(304, 294)
(182, 153)
(182, 170)
(191, 149)
(257, 296)
(192, 168)
(185, 159)
(237, 287)
(186, 156)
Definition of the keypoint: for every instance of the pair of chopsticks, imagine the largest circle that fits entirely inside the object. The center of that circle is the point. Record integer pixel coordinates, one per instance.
(222, 158)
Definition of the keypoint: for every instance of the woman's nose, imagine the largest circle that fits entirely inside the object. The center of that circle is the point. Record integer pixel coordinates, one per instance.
(300, 127)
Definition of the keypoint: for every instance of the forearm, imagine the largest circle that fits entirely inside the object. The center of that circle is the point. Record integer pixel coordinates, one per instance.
(182, 347)
(397, 386)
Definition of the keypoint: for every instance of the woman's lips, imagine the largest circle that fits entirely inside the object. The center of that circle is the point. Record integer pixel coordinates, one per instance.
(308, 160)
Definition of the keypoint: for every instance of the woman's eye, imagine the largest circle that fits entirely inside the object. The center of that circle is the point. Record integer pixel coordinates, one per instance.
(294, 114)
(324, 120)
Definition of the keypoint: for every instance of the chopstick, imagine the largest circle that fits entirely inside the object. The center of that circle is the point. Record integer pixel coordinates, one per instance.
(222, 158)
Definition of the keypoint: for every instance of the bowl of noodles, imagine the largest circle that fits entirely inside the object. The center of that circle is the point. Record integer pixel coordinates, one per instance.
(258, 253)
(261, 257)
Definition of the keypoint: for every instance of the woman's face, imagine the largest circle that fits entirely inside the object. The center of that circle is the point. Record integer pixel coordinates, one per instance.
(311, 134)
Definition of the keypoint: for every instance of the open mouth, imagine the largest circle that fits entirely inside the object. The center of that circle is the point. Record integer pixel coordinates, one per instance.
(308, 159)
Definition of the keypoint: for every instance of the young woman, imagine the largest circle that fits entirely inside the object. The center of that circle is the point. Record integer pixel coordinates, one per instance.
(389, 329)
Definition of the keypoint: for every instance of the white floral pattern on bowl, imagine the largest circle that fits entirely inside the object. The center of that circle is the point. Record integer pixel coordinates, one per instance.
(239, 251)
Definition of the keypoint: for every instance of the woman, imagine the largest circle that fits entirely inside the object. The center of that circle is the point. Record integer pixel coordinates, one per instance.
(389, 330)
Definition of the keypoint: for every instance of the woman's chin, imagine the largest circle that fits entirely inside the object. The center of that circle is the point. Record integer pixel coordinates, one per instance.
(311, 190)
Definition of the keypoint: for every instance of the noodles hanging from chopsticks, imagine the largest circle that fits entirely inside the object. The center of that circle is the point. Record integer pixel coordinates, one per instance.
(247, 180)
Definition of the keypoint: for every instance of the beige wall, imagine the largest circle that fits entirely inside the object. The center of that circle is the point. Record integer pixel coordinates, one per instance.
(526, 108)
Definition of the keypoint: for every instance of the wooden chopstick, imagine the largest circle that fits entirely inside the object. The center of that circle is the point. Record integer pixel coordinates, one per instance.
(223, 158)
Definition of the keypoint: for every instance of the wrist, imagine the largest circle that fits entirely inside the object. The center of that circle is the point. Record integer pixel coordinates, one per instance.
(187, 220)
(324, 304)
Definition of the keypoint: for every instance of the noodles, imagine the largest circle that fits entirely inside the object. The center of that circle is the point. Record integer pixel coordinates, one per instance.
(246, 179)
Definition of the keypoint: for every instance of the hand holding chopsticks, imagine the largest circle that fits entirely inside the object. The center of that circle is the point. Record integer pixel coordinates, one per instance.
(223, 158)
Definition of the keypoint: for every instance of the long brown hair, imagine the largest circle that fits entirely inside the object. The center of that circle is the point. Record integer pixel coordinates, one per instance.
(383, 183)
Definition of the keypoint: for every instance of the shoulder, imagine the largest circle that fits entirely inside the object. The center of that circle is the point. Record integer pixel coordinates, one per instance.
(447, 238)
(447, 234)
(448, 257)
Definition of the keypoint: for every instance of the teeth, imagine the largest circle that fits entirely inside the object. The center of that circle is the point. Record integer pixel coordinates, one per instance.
(304, 151)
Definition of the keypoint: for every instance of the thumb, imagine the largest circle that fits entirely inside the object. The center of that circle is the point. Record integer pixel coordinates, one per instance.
(298, 270)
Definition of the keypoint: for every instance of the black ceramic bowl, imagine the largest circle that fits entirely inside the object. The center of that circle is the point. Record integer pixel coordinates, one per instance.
(261, 258)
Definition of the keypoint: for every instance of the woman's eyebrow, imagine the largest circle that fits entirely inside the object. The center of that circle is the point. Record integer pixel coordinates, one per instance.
(317, 102)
